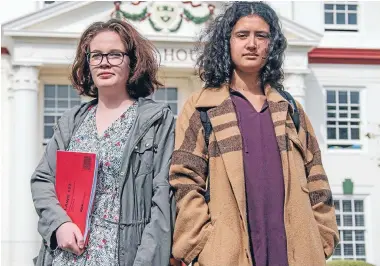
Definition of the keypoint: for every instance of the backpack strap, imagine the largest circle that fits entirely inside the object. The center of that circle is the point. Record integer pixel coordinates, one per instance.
(296, 115)
(207, 127)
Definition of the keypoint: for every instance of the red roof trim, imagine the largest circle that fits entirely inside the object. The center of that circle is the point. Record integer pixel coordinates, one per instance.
(4, 50)
(344, 56)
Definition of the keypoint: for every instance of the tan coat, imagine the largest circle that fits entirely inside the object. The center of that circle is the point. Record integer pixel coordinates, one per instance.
(216, 234)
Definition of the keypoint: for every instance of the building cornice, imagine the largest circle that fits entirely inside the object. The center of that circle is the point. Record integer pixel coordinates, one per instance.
(344, 56)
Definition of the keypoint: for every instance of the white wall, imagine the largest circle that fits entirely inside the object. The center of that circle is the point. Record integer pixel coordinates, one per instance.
(311, 14)
(13, 9)
(362, 166)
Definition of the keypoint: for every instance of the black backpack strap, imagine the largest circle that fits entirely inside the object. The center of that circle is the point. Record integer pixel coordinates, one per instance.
(207, 127)
(296, 115)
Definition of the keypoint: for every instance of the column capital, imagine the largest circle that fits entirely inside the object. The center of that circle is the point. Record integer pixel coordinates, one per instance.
(25, 78)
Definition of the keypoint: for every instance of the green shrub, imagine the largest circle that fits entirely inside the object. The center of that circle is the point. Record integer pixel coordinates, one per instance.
(348, 263)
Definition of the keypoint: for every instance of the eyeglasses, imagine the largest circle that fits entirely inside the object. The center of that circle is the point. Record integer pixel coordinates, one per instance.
(113, 58)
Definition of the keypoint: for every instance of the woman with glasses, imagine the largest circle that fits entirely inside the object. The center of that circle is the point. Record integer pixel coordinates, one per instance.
(133, 137)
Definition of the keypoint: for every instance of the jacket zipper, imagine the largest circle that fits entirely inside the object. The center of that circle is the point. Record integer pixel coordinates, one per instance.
(149, 124)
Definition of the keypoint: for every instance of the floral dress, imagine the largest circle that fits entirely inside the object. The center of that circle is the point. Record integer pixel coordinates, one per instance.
(102, 247)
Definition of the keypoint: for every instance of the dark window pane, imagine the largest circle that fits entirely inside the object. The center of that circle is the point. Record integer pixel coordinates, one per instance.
(354, 108)
(331, 97)
(342, 123)
(337, 205)
(348, 249)
(49, 91)
(354, 123)
(355, 115)
(343, 97)
(331, 115)
(340, 18)
(343, 133)
(359, 220)
(355, 135)
(338, 220)
(359, 235)
(329, 7)
(171, 94)
(49, 103)
(63, 104)
(49, 119)
(347, 235)
(352, 19)
(347, 206)
(331, 107)
(63, 91)
(338, 251)
(173, 107)
(73, 93)
(331, 133)
(160, 95)
(352, 7)
(48, 132)
(340, 7)
(329, 18)
(343, 115)
(343, 108)
(347, 220)
(360, 250)
(359, 206)
(354, 97)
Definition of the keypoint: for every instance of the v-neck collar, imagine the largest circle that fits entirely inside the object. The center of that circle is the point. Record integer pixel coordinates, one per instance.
(105, 133)
(239, 94)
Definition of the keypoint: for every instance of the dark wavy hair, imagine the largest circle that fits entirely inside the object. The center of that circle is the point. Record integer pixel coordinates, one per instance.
(143, 62)
(214, 60)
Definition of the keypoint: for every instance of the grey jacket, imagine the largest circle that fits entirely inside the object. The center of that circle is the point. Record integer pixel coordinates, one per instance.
(147, 202)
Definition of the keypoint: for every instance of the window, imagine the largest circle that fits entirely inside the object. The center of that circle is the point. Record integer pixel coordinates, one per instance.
(341, 16)
(350, 218)
(168, 95)
(57, 99)
(343, 119)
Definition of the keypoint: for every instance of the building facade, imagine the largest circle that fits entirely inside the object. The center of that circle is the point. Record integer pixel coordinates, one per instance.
(332, 68)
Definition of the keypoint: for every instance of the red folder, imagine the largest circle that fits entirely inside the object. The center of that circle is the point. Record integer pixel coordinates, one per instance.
(76, 176)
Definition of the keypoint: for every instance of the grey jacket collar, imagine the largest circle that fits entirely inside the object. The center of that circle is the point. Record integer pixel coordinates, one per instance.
(72, 118)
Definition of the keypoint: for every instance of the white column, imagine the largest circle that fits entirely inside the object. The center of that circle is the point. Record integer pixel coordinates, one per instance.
(25, 144)
(295, 84)
(5, 161)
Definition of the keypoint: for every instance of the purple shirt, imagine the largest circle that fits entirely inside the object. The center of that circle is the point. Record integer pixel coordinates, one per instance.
(264, 183)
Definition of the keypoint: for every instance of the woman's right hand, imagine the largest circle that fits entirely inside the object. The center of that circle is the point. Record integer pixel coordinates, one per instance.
(69, 238)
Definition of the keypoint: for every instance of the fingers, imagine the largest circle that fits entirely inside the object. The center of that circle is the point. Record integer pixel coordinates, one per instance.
(71, 246)
(79, 238)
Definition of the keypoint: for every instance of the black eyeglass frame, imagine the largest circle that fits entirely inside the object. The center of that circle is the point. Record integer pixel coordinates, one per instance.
(88, 54)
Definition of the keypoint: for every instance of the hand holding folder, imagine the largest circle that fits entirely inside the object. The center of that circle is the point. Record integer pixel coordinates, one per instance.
(76, 177)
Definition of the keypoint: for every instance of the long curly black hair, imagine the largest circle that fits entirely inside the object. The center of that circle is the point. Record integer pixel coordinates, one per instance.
(214, 61)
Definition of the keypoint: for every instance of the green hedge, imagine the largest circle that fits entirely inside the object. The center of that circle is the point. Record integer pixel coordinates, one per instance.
(348, 263)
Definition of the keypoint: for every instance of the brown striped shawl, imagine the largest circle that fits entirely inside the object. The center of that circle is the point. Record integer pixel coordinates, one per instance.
(216, 234)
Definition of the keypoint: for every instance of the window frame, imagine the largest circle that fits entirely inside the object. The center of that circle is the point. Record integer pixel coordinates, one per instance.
(341, 227)
(341, 27)
(337, 119)
(166, 100)
(55, 112)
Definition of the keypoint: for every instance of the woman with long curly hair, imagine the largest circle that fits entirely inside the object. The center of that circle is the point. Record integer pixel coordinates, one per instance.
(133, 138)
(246, 168)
